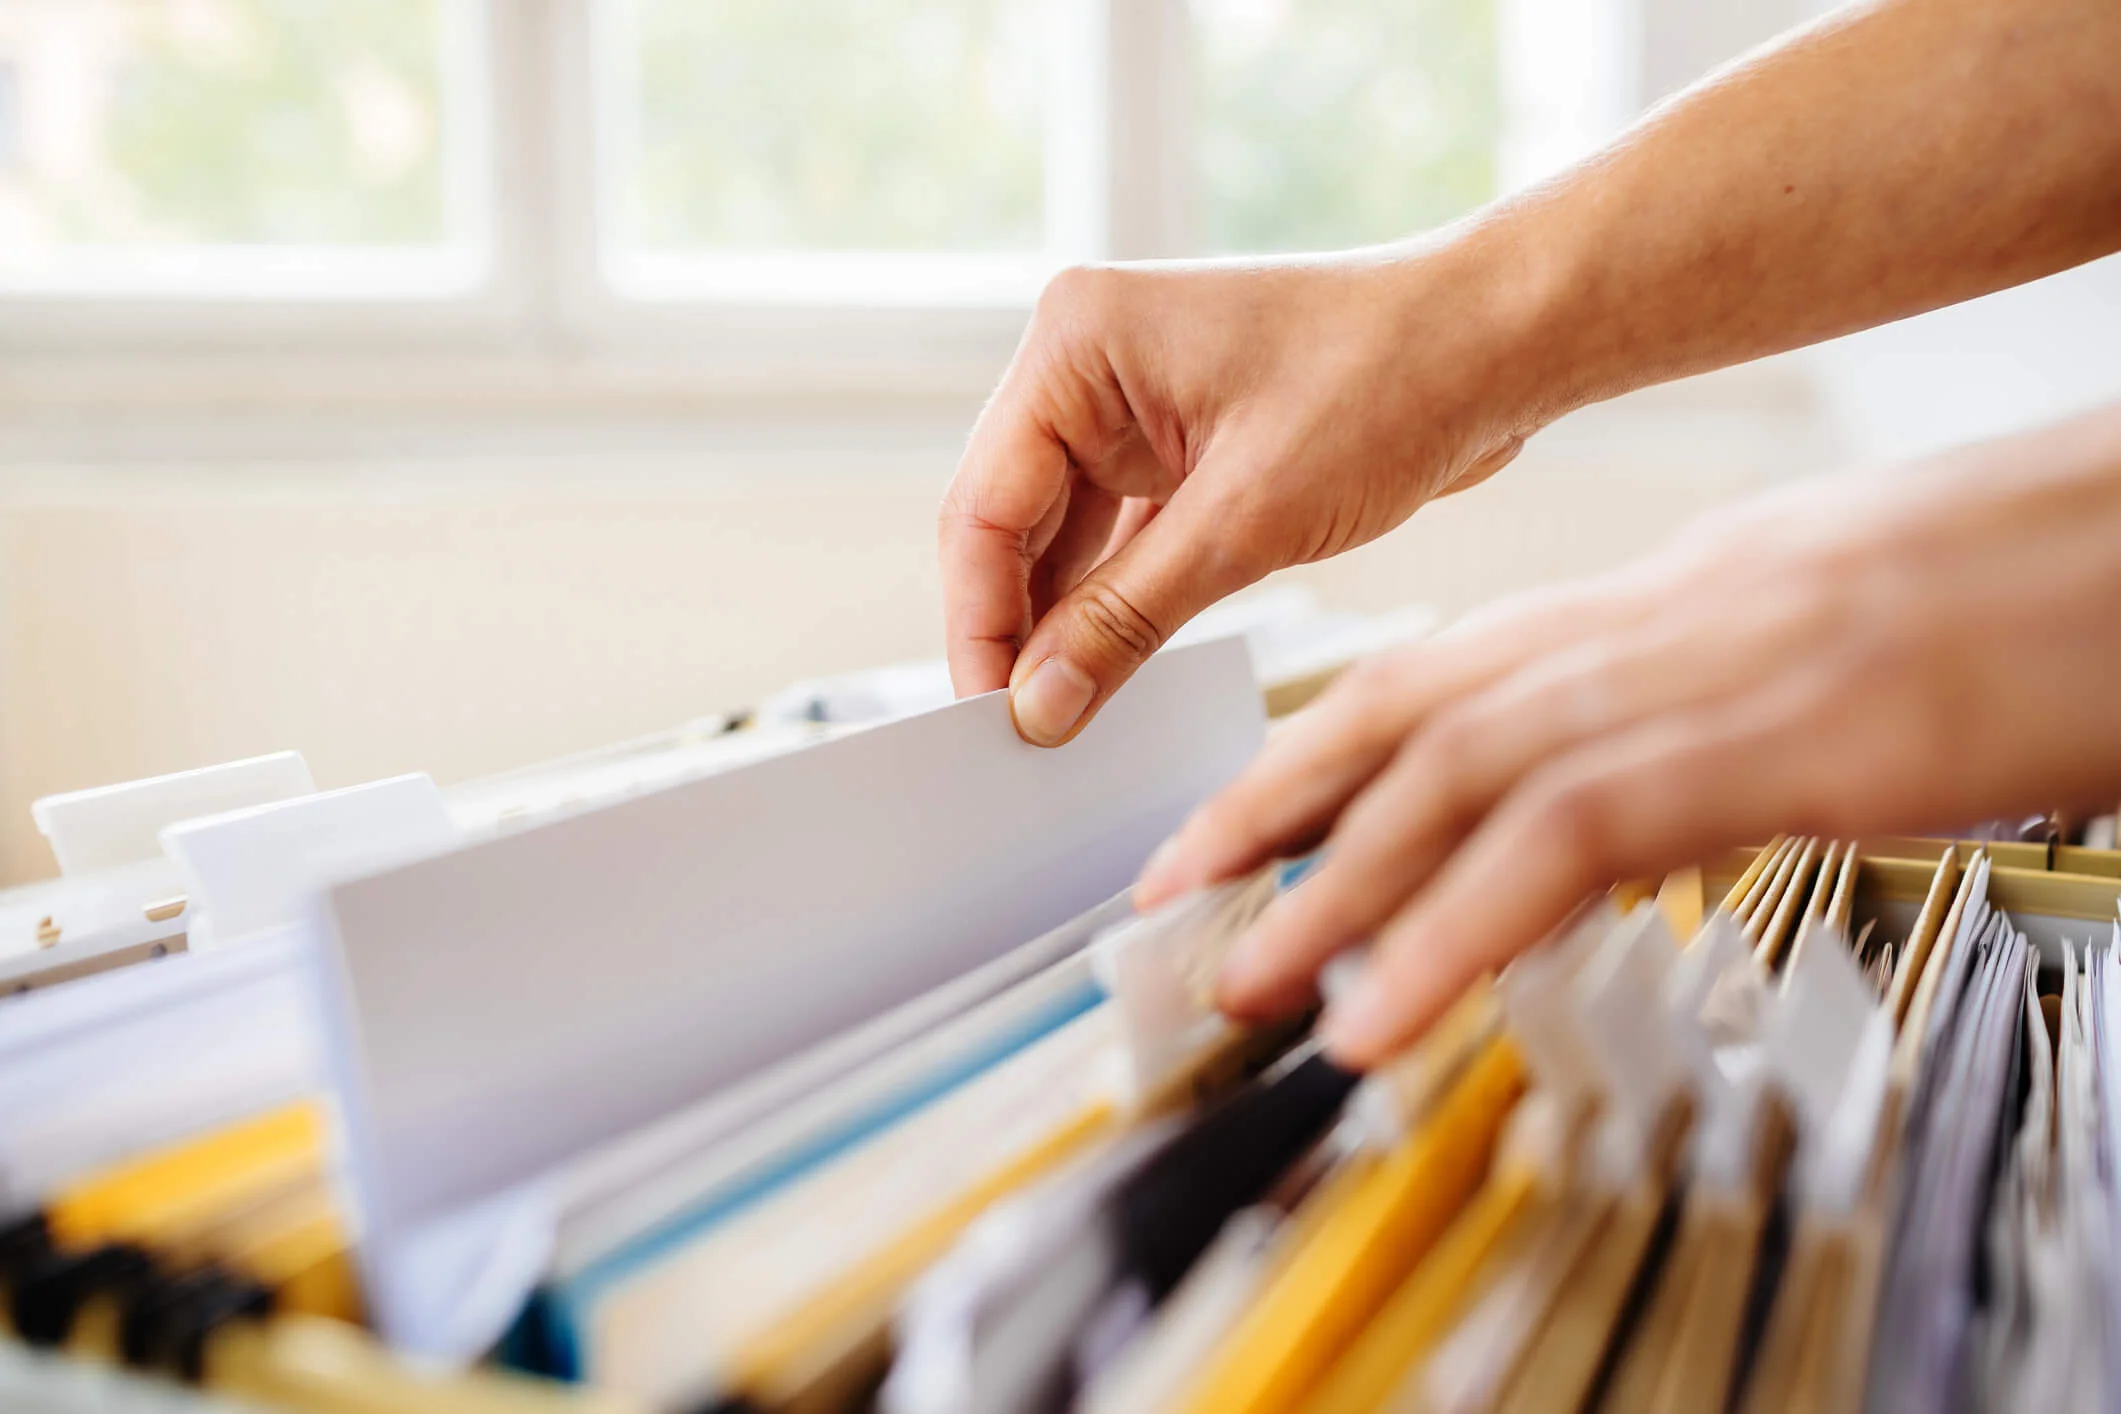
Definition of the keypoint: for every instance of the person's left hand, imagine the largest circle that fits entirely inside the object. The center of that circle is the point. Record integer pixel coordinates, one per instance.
(1854, 657)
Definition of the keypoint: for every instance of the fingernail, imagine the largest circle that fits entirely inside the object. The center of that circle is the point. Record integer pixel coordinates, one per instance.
(1358, 1028)
(1051, 701)
(1152, 883)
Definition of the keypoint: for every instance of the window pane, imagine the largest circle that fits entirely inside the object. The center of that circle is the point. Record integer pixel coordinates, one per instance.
(830, 125)
(1328, 123)
(132, 131)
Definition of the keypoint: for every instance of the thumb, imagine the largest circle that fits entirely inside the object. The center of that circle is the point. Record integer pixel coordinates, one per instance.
(1093, 639)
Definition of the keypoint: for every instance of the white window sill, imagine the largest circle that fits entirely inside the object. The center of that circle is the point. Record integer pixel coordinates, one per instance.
(849, 281)
(891, 399)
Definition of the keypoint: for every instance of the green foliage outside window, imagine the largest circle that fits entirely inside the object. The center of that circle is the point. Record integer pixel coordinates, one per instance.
(877, 125)
(301, 122)
(1328, 123)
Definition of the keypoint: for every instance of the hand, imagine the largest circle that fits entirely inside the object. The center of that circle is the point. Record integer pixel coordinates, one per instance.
(1854, 657)
(1168, 435)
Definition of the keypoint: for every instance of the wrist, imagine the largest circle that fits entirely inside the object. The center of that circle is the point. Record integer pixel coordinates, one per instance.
(1491, 315)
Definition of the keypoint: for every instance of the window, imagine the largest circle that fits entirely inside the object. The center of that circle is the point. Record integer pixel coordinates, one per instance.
(763, 127)
(242, 146)
(567, 174)
(1326, 123)
(744, 139)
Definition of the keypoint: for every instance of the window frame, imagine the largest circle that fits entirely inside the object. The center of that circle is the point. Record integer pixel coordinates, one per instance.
(543, 308)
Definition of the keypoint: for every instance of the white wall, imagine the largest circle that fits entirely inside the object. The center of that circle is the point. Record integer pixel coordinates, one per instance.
(1981, 369)
(463, 617)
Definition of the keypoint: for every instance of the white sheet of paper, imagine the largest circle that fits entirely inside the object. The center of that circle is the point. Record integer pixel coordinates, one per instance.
(508, 1005)
(98, 1069)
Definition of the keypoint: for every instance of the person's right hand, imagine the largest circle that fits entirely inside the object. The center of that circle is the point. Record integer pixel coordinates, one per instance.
(1167, 435)
(1848, 658)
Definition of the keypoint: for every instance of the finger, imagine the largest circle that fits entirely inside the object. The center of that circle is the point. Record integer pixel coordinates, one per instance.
(1135, 513)
(1444, 777)
(1457, 764)
(1646, 800)
(1075, 547)
(1308, 773)
(1013, 477)
(1109, 503)
(1132, 515)
(1120, 613)
(1059, 408)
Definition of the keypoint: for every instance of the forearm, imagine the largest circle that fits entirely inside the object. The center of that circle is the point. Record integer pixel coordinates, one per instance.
(1895, 158)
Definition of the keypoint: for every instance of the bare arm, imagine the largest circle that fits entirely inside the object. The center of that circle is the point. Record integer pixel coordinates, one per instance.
(1892, 159)
(1169, 434)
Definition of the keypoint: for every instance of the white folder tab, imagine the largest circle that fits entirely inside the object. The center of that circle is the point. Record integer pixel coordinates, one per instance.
(251, 870)
(108, 827)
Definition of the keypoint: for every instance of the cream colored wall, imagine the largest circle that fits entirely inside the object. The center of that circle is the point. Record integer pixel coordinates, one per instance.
(464, 619)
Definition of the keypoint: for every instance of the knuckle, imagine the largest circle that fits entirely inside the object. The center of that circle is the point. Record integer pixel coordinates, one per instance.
(1808, 619)
(1225, 823)
(1113, 623)
(1380, 682)
(1868, 650)
(1446, 759)
(1578, 818)
(1080, 293)
(1368, 678)
(1373, 704)
(1874, 637)
(1322, 916)
(968, 505)
(1719, 536)
(961, 498)
(1249, 812)
(952, 510)
(1917, 710)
